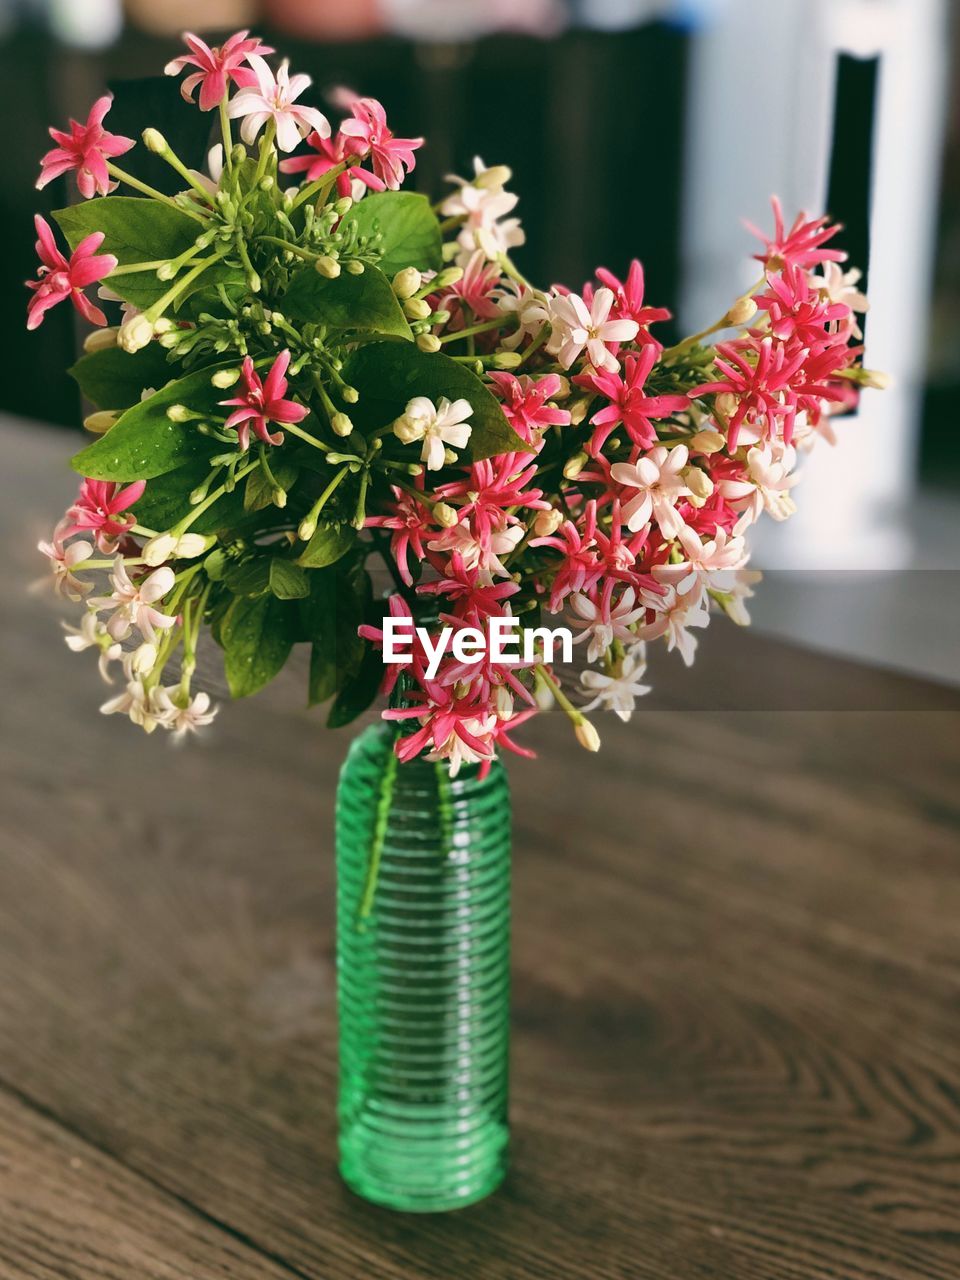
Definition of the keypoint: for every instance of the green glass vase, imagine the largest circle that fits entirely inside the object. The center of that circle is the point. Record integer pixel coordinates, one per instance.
(423, 977)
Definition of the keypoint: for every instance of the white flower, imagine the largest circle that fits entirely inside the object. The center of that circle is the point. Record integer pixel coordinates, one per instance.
(183, 718)
(138, 704)
(575, 326)
(603, 623)
(731, 589)
(659, 484)
(618, 693)
(677, 614)
(840, 287)
(274, 98)
(436, 425)
(476, 553)
(92, 634)
(170, 546)
(63, 560)
(140, 661)
(132, 603)
(766, 485)
(721, 552)
(483, 204)
(531, 307)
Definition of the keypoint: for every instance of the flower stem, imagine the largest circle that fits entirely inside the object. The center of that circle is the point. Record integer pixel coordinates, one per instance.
(211, 498)
(321, 186)
(145, 189)
(563, 702)
(305, 435)
(227, 133)
(266, 149)
(477, 328)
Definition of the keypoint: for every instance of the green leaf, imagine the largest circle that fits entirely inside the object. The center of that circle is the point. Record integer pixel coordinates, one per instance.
(340, 598)
(258, 492)
(358, 692)
(287, 580)
(166, 500)
(365, 302)
(409, 227)
(144, 442)
(257, 636)
(388, 374)
(249, 577)
(139, 230)
(116, 379)
(328, 544)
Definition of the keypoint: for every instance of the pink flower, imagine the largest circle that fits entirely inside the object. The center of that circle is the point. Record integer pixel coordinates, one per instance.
(475, 288)
(628, 303)
(628, 404)
(409, 521)
(799, 312)
(132, 604)
(328, 153)
(471, 595)
(761, 388)
(85, 150)
(274, 98)
(371, 136)
(99, 509)
(217, 67)
(263, 403)
(801, 246)
(581, 566)
(657, 479)
(60, 278)
(491, 489)
(601, 620)
(525, 403)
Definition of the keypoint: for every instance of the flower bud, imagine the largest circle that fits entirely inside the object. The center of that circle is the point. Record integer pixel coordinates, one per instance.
(547, 522)
(135, 333)
(327, 266)
(407, 282)
(350, 394)
(154, 141)
(445, 515)
(875, 379)
(574, 466)
(355, 267)
(496, 176)
(101, 339)
(343, 205)
(698, 482)
(726, 404)
(101, 421)
(578, 410)
(191, 545)
(563, 390)
(159, 549)
(503, 702)
(587, 736)
(447, 277)
(709, 440)
(341, 424)
(543, 695)
(742, 312)
(408, 430)
(180, 413)
(450, 457)
(428, 343)
(507, 360)
(416, 308)
(306, 529)
(225, 378)
(143, 659)
(167, 271)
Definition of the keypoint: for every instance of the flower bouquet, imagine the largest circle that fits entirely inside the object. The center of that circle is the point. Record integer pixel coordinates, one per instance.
(313, 371)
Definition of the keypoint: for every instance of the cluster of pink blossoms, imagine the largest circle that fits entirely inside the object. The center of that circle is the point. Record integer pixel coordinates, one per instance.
(621, 508)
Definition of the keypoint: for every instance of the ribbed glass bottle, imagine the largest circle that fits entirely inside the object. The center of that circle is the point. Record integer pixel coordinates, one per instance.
(423, 971)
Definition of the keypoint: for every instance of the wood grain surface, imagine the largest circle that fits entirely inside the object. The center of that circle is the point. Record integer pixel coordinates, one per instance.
(736, 1002)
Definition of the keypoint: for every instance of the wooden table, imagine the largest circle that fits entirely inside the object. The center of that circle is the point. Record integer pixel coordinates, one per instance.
(736, 1008)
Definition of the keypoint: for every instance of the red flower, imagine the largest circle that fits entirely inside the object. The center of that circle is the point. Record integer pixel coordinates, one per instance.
(802, 246)
(217, 67)
(370, 135)
(628, 404)
(762, 387)
(85, 150)
(99, 507)
(328, 153)
(524, 403)
(799, 312)
(409, 521)
(263, 403)
(60, 278)
(628, 304)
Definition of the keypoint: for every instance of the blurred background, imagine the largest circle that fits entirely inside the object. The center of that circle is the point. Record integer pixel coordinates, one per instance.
(645, 128)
